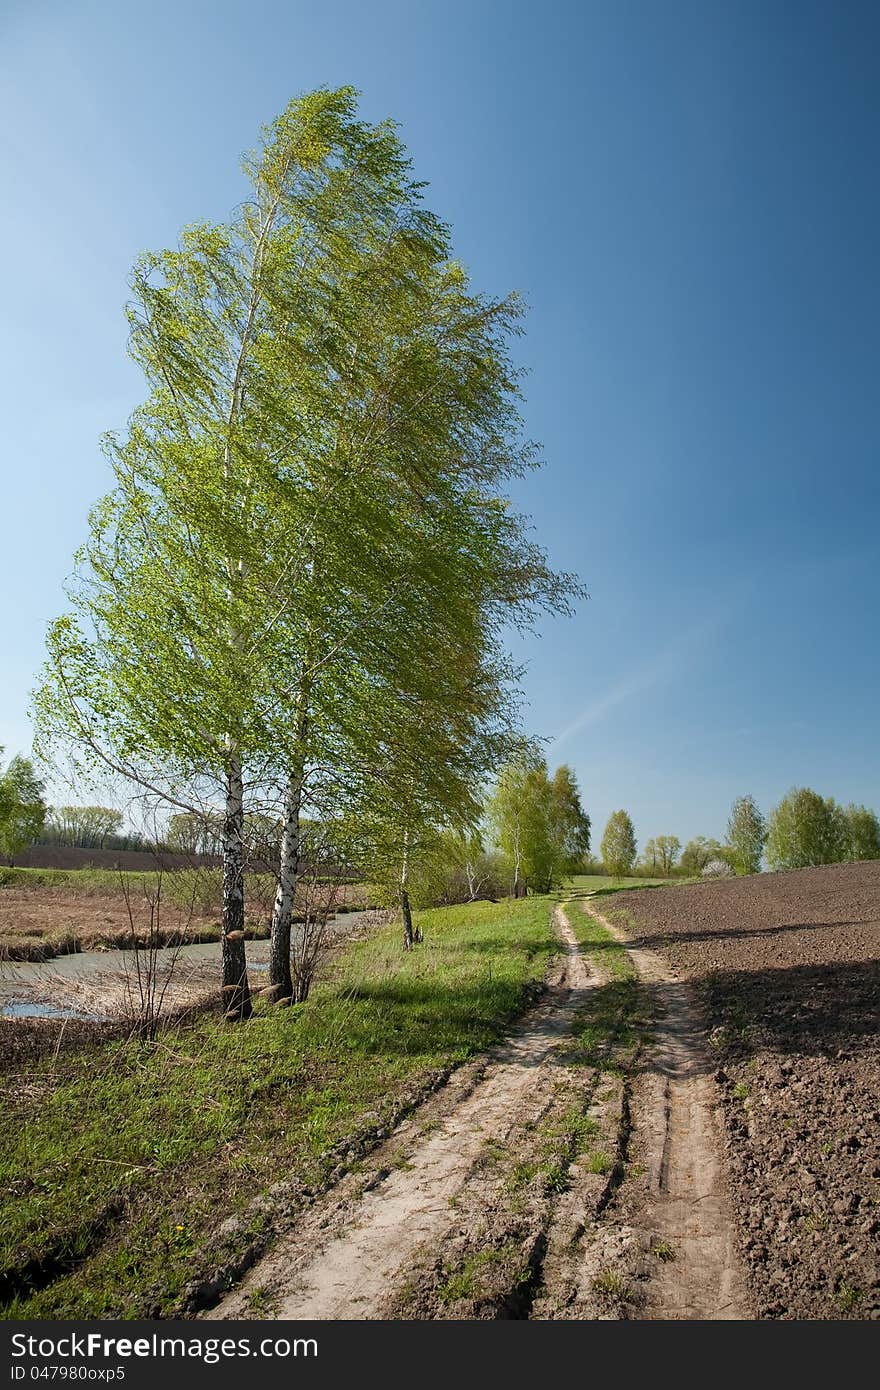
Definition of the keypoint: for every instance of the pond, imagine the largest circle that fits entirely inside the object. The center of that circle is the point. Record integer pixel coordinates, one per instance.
(71, 986)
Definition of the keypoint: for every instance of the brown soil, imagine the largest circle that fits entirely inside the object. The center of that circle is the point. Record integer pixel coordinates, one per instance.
(784, 970)
(131, 860)
(39, 923)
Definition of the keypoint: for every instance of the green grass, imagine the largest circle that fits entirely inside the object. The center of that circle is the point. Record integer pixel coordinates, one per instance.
(601, 885)
(663, 1251)
(89, 882)
(196, 887)
(848, 1297)
(97, 882)
(597, 942)
(464, 1283)
(168, 1140)
(591, 883)
(599, 1162)
(611, 1285)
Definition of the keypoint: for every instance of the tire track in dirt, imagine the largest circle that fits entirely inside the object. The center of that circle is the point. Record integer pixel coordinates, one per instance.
(687, 1215)
(349, 1256)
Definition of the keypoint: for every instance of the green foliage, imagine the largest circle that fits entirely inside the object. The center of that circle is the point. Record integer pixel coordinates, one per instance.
(650, 858)
(539, 823)
(195, 832)
(668, 848)
(456, 868)
(87, 827)
(698, 852)
(863, 833)
(746, 835)
(22, 806)
(806, 829)
(295, 595)
(618, 847)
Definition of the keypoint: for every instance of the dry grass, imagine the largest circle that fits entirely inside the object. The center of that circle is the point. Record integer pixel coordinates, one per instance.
(46, 913)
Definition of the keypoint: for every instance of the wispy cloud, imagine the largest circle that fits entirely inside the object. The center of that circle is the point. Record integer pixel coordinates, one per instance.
(666, 665)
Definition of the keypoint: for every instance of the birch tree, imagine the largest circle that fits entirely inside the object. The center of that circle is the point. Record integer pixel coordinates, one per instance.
(169, 668)
(316, 476)
(618, 848)
(410, 481)
(863, 833)
(746, 835)
(668, 848)
(539, 823)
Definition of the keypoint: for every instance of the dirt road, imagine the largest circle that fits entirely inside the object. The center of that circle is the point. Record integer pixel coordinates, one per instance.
(346, 1258)
(466, 1210)
(687, 1212)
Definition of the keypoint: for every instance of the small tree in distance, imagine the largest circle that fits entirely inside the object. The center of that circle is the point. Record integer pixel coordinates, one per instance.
(699, 852)
(668, 848)
(863, 833)
(806, 829)
(746, 835)
(539, 824)
(618, 848)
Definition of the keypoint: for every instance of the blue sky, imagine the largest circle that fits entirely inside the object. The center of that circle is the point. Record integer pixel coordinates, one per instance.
(686, 194)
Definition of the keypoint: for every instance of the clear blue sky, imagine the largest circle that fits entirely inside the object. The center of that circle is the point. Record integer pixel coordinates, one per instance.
(687, 195)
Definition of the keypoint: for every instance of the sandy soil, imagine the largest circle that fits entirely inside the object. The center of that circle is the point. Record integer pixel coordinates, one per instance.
(490, 1202)
(685, 1212)
(784, 968)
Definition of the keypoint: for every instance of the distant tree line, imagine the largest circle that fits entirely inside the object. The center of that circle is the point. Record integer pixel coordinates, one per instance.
(85, 827)
(805, 829)
(534, 834)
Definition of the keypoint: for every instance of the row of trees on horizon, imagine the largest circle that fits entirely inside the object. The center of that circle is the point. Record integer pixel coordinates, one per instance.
(532, 834)
(803, 830)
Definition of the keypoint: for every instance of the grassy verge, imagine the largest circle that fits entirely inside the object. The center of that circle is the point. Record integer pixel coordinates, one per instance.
(600, 885)
(608, 1033)
(591, 883)
(126, 1167)
(101, 883)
